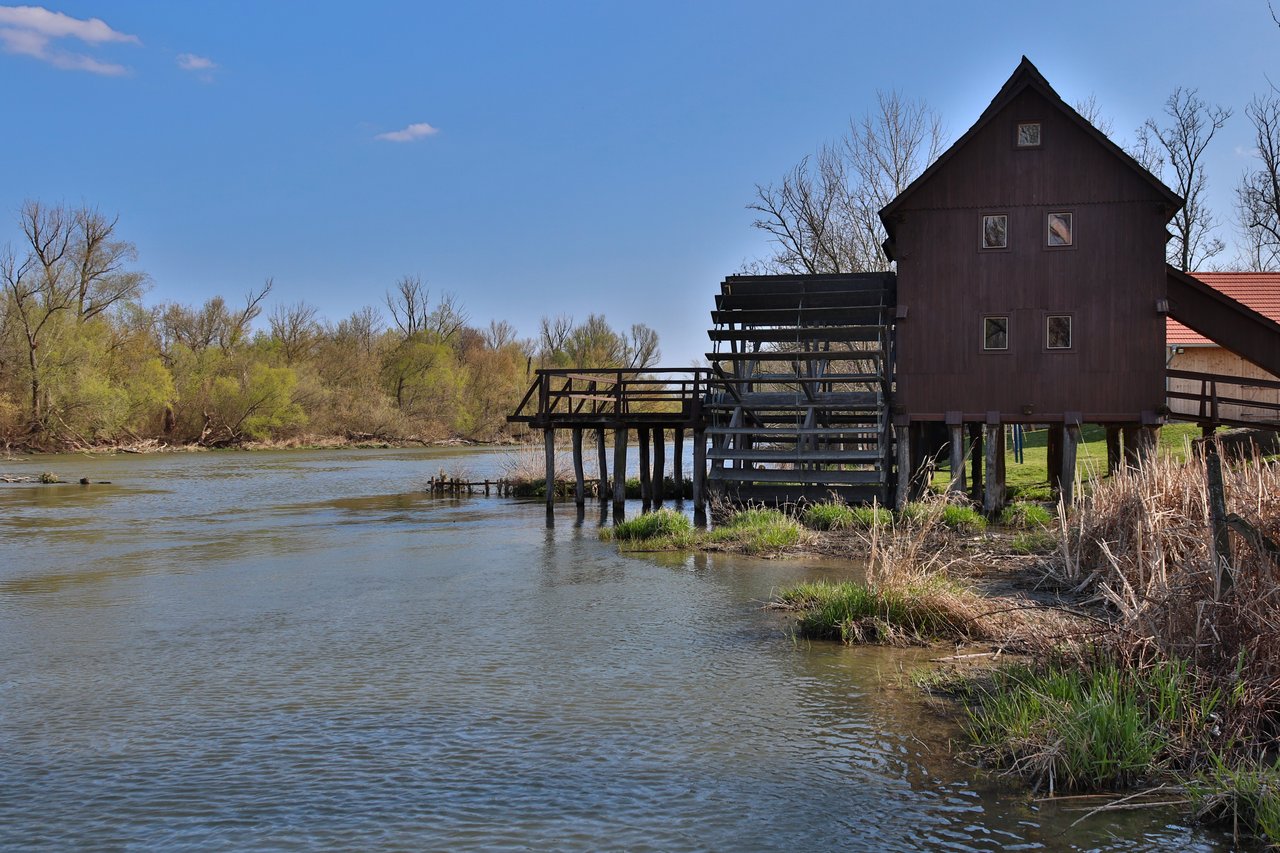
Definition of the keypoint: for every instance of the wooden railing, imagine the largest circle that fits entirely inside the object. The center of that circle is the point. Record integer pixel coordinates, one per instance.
(605, 396)
(1213, 406)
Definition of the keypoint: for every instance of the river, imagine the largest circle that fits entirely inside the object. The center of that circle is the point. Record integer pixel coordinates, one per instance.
(301, 650)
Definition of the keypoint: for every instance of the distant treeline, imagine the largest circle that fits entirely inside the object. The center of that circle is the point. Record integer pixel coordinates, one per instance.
(83, 362)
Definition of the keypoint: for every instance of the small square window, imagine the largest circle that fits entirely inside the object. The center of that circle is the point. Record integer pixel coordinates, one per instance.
(1059, 229)
(995, 231)
(1058, 331)
(995, 333)
(1028, 134)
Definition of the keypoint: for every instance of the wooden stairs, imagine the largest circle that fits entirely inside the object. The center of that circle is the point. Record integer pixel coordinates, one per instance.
(800, 388)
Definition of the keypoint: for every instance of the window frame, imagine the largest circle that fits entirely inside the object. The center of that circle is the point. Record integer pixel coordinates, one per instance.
(983, 338)
(982, 232)
(1049, 316)
(1048, 231)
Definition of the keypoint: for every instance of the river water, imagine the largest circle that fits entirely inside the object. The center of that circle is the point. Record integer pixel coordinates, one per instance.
(301, 650)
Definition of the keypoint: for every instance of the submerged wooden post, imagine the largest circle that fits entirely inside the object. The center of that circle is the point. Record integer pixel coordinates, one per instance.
(646, 494)
(659, 463)
(1067, 473)
(902, 439)
(677, 461)
(699, 469)
(619, 469)
(579, 487)
(957, 441)
(549, 443)
(1113, 449)
(993, 494)
(602, 466)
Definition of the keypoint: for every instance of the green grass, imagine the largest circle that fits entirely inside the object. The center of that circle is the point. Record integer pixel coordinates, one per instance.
(662, 530)
(757, 531)
(1240, 797)
(1033, 542)
(1030, 479)
(963, 519)
(921, 611)
(1089, 728)
(1025, 515)
(839, 516)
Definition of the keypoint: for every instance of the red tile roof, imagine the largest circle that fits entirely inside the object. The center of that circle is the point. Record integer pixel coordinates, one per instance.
(1259, 290)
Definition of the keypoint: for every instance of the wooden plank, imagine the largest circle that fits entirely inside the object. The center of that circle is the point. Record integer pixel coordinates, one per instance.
(804, 333)
(799, 456)
(797, 356)
(779, 432)
(775, 475)
(776, 301)
(802, 316)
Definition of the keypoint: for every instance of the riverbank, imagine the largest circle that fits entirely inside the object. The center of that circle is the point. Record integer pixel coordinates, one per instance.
(301, 442)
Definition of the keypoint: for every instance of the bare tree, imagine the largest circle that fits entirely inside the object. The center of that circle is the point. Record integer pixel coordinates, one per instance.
(101, 279)
(1181, 145)
(1258, 193)
(1092, 113)
(362, 329)
(499, 334)
(447, 318)
(296, 328)
(408, 305)
(823, 216)
(640, 347)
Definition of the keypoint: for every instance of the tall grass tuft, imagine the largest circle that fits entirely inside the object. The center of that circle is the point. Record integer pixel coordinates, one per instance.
(661, 530)
(1026, 515)
(836, 515)
(758, 531)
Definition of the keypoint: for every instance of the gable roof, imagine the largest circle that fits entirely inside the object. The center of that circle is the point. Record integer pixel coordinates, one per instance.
(1026, 76)
(1257, 290)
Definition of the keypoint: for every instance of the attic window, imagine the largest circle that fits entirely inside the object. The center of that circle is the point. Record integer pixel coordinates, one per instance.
(995, 231)
(1028, 134)
(995, 333)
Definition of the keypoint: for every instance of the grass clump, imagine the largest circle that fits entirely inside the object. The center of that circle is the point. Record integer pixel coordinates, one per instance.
(1025, 515)
(663, 529)
(963, 519)
(758, 531)
(1242, 797)
(1032, 542)
(839, 516)
(854, 612)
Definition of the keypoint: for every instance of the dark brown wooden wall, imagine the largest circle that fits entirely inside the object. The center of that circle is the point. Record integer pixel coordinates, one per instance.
(1110, 280)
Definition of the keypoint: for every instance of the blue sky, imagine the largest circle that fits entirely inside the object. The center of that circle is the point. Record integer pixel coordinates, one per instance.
(533, 158)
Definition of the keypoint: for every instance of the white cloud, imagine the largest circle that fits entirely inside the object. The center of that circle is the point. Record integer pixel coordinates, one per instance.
(191, 62)
(420, 130)
(31, 31)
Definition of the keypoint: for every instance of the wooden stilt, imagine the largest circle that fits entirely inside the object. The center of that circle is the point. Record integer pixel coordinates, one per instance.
(619, 469)
(957, 441)
(549, 443)
(993, 494)
(579, 486)
(1131, 455)
(976, 458)
(646, 488)
(659, 464)
(1148, 441)
(602, 467)
(1053, 446)
(902, 438)
(1113, 449)
(699, 470)
(677, 462)
(1067, 473)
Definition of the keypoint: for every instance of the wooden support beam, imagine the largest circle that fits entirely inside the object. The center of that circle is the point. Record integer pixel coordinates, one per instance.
(602, 466)
(1067, 472)
(659, 465)
(957, 443)
(902, 440)
(976, 459)
(1113, 449)
(677, 461)
(699, 469)
(579, 480)
(1053, 447)
(619, 469)
(993, 494)
(549, 445)
(1148, 441)
(646, 493)
(1131, 456)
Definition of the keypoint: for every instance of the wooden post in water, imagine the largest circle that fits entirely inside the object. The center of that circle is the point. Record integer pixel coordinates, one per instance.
(699, 470)
(1067, 473)
(602, 467)
(659, 464)
(1113, 449)
(619, 469)
(993, 494)
(677, 462)
(646, 489)
(579, 487)
(549, 442)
